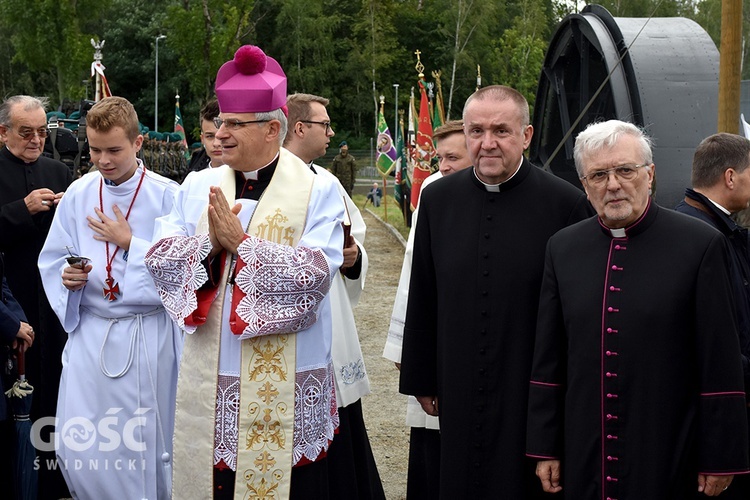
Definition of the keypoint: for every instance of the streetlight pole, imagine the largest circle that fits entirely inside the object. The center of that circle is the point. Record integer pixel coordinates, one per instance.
(156, 85)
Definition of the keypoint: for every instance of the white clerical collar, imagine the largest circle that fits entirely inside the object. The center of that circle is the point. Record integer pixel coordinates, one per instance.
(495, 188)
(253, 175)
(617, 233)
(139, 166)
(726, 212)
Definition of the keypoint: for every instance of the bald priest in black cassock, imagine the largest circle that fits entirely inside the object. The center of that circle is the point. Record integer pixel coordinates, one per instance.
(471, 316)
(637, 381)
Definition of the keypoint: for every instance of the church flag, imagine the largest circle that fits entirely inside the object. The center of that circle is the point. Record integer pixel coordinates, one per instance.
(425, 150)
(437, 112)
(179, 128)
(411, 138)
(387, 154)
(413, 120)
(438, 117)
(401, 189)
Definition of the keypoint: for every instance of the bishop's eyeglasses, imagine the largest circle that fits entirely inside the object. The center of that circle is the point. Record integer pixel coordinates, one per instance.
(234, 124)
(626, 172)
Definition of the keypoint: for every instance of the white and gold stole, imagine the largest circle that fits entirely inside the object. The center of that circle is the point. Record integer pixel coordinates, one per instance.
(267, 374)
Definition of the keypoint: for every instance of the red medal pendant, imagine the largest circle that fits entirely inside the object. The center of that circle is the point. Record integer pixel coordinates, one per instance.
(112, 290)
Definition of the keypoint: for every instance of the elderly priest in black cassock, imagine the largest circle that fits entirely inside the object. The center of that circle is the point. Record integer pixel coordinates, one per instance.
(471, 315)
(31, 185)
(636, 388)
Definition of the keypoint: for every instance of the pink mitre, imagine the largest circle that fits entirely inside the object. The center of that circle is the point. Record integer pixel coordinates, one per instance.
(252, 82)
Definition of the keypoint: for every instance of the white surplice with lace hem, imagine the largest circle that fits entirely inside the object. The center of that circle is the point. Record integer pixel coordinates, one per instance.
(120, 360)
(315, 404)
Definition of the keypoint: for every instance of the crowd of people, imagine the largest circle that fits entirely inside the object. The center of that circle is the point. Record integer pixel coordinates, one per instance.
(197, 340)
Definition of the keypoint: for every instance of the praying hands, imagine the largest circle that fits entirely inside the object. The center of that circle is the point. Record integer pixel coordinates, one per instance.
(224, 227)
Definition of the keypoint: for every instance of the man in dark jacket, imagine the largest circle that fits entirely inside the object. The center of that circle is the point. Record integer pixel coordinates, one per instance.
(15, 333)
(721, 187)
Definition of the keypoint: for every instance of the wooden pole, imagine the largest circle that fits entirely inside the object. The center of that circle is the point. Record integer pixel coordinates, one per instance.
(385, 200)
(730, 64)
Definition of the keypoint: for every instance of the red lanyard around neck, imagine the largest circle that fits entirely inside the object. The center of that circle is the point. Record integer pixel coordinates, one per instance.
(112, 289)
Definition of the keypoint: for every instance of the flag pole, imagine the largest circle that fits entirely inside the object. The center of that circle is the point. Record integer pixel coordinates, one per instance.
(179, 126)
(395, 141)
(385, 199)
(395, 113)
(439, 99)
(385, 191)
(101, 87)
(425, 149)
(95, 68)
(402, 171)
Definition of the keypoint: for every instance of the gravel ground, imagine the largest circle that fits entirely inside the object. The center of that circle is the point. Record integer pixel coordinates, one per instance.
(384, 409)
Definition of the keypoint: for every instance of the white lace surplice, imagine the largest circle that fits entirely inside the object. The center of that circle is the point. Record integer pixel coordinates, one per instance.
(272, 267)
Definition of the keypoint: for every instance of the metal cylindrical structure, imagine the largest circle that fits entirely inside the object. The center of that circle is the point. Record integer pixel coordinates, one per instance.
(659, 73)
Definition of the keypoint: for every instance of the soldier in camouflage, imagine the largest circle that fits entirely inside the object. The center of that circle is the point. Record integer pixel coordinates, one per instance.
(345, 168)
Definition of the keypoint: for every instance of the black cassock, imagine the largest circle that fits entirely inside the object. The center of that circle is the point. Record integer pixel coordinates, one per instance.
(470, 322)
(637, 381)
(21, 238)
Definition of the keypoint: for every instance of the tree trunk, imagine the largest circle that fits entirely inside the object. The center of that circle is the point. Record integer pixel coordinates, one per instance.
(455, 58)
(730, 66)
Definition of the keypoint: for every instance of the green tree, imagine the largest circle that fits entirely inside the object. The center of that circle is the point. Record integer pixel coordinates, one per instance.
(304, 45)
(52, 40)
(708, 15)
(453, 38)
(645, 8)
(347, 51)
(366, 54)
(203, 34)
(129, 30)
(562, 8)
(417, 28)
(521, 49)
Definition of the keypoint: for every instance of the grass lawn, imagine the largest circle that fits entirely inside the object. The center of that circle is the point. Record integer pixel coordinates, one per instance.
(395, 217)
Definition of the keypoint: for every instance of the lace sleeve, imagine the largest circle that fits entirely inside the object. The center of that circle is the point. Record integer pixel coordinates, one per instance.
(282, 286)
(175, 265)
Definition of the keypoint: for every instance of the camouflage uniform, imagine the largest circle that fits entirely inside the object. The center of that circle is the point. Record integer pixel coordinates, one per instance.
(345, 168)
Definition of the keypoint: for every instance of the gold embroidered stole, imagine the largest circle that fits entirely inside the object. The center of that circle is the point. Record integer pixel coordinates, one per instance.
(267, 371)
(195, 408)
(265, 441)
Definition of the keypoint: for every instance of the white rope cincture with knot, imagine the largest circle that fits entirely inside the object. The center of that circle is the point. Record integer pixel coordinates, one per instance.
(136, 333)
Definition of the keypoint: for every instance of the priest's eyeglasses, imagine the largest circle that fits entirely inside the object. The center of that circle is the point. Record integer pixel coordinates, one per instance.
(626, 172)
(234, 124)
(28, 133)
(327, 125)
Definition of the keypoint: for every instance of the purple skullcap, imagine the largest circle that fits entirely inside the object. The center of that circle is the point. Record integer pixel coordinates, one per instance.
(252, 82)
